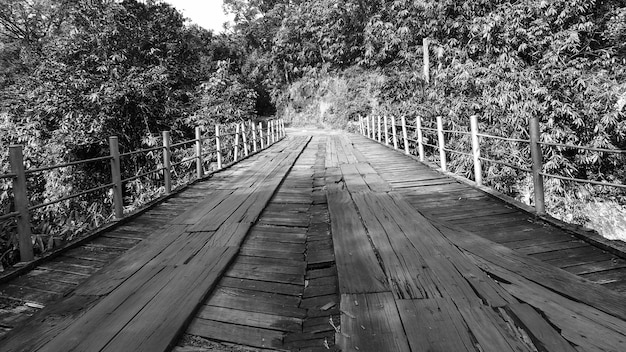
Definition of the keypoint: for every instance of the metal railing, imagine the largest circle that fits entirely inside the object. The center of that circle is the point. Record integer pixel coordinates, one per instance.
(248, 137)
(375, 129)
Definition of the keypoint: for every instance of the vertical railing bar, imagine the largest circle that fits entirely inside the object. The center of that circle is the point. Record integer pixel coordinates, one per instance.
(218, 146)
(420, 138)
(261, 135)
(20, 194)
(537, 165)
(393, 132)
(199, 162)
(236, 147)
(441, 144)
(245, 139)
(379, 130)
(116, 177)
(167, 160)
(386, 130)
(478, 172)
(404, 135)
(253, 128)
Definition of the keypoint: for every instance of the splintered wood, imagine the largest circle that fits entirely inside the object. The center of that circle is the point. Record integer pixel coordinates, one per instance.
(409, 282)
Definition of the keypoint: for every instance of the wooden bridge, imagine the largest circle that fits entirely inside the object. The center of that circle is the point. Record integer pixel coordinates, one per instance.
(325, 241)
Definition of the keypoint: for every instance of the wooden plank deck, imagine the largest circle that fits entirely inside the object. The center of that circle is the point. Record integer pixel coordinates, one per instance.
(337, 243)
(145, 298)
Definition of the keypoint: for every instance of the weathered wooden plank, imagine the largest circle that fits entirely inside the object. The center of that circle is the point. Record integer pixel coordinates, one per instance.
(434, 325)
(164, 317)
(256, 301)
(588, 268)
(262, 286)
(544, 337)
(286, 278)
(358, 268)
(405, 269)
(246, 335)
(371, 322)
(47, 324)
(254, 319)
(133, 260)
(199, 210)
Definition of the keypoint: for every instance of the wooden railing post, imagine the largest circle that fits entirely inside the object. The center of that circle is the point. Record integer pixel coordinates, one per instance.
(273, 124)
(245, 138)
(367, 124)
(361, 128)
(218, 147)
(537, 166)
(20, 194)
(478, 170)
(269, 133)
(379, 130)
(236, 147)
(282, 127)
(386, 130)
(404, 135)
(393, 132)
(253, 128)
(442, 143)
(199, 162)
(116, 177)
(167, 162)
(420, 137)
(261, 135)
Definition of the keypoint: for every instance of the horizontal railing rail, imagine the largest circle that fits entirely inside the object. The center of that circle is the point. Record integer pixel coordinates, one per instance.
(377, 128)
(248, 137)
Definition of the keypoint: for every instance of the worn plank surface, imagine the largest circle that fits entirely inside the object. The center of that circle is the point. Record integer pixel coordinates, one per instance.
(145, 299)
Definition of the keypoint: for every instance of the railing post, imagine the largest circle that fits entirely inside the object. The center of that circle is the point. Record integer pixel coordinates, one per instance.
(420, 137)
(245, 138)
(394, 132)
(253, 128)
(116, 177)
(379, 130)
(261, 135)
(20, 194)
(199, 162)
(369, 130)
(282, 127)
(404, 135)
(373, 127)
(537, 166)
(236, 147)
(273, 124)
(386, 130)
(442, 143)
(167, 162)
(269, 133)
(361, 129)
(218, 147)
(478, 170)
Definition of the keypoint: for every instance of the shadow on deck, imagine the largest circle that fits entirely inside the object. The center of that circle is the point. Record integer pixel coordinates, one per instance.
(326, 241)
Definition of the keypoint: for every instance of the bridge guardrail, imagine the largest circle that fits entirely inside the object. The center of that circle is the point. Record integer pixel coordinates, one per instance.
(375, 127)
(226, 149)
